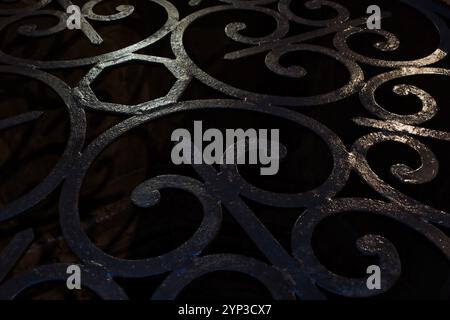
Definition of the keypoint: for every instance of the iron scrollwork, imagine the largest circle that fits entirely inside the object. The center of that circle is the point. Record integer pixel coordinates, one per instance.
(287, 275)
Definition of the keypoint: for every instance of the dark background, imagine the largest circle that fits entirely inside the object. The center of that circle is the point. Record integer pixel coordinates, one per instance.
(29, 151)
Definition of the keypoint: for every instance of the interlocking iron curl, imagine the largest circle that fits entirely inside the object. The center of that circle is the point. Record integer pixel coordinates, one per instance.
(290, 274)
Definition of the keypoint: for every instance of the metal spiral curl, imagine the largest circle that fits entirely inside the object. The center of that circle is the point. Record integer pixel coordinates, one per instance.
(288, 275)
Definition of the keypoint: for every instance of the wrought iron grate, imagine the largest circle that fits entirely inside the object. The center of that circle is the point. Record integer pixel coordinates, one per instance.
(86, 118)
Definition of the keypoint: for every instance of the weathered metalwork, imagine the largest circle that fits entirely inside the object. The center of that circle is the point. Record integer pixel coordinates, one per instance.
(288, 275)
